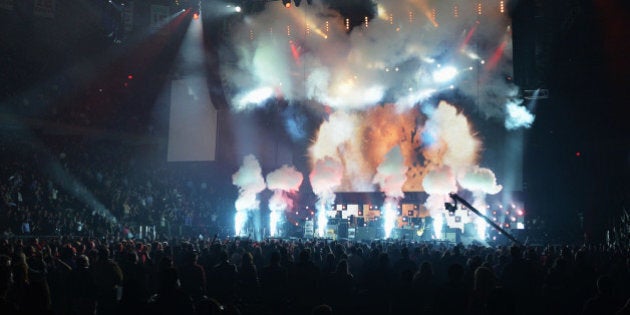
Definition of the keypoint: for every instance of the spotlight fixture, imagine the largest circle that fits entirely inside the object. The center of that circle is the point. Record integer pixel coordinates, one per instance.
(297, 2)
(286, 3)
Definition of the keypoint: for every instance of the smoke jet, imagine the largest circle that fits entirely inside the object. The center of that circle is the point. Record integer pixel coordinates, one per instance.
(390, 177)
(250, 183)
(325, 178)
(283, 181)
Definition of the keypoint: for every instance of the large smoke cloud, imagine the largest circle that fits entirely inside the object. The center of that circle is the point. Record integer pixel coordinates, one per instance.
(306, 53)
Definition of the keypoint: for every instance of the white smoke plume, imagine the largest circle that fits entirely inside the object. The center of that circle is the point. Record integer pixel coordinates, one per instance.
(286, 178)
(518, 116)
(479, 202)
(250, 183)
(390, 177)
(325, 177)
(282, 181)
(391, 174)
(438, 183)
(479, 179)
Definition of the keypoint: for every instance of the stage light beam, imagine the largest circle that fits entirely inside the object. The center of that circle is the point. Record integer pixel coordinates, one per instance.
(496, 56)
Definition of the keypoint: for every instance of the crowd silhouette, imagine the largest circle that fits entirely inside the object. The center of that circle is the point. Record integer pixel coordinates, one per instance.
(241, 276)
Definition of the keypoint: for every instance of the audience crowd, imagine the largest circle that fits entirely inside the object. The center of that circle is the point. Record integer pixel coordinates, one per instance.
(90, 187)
(89, 275)
(71, 213)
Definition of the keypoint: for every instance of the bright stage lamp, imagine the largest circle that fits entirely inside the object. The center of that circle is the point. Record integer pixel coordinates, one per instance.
(444, 74)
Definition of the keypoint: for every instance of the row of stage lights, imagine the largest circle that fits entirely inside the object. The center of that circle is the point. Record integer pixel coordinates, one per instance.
(478, 7)
(514, 214)
(509, 217)
(348, 25)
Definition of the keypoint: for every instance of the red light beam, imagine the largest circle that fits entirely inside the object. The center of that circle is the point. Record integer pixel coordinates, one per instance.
(469, 35)
(295, 52)
(496, 56)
